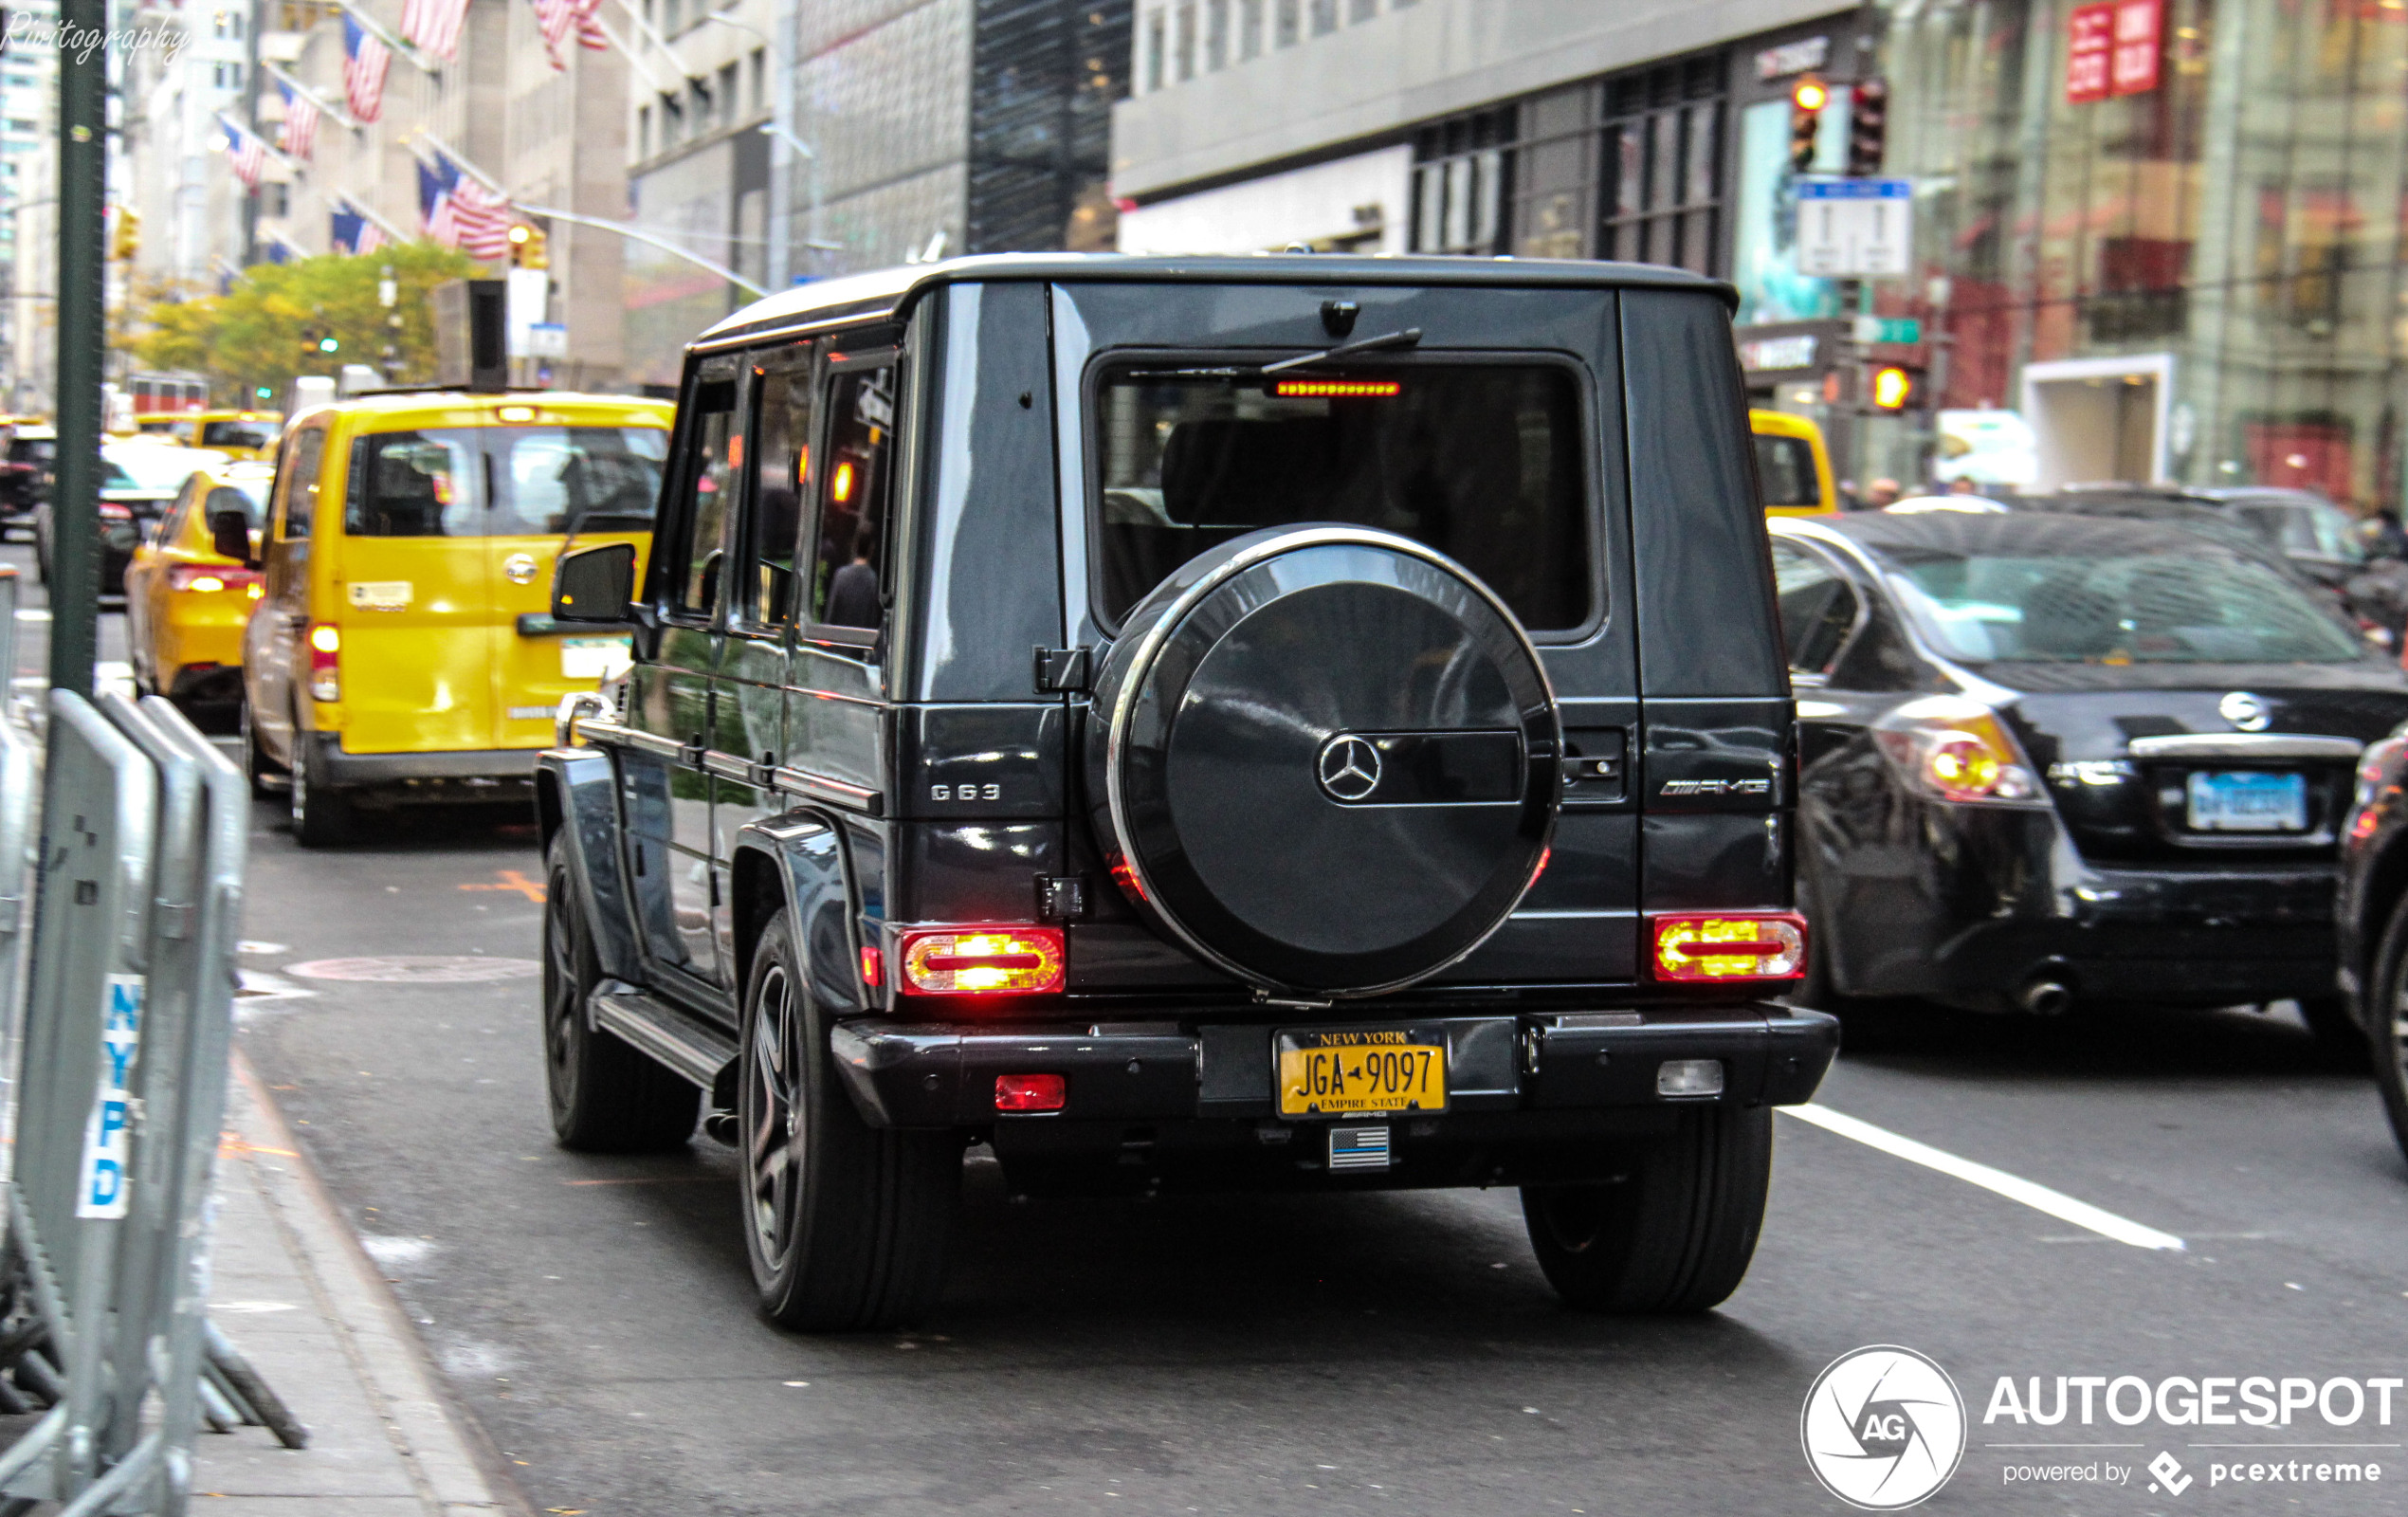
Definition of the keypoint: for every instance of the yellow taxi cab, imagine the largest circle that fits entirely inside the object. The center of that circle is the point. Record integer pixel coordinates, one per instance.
(186, 604)
(239, 433)
(403, 648)
(1792, 464)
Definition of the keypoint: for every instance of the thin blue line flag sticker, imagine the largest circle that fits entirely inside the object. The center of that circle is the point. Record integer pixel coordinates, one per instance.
(108, 1136)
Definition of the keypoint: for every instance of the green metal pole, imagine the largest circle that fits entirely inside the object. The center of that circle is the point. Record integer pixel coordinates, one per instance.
(75, 510)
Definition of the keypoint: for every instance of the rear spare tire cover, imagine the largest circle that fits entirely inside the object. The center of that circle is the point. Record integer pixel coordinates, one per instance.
(1324, 760)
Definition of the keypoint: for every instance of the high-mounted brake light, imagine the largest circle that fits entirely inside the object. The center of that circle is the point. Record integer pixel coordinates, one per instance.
(1693, 946)
(325, 662)
(1007, 961)
(1339, 388)
(1956, 749)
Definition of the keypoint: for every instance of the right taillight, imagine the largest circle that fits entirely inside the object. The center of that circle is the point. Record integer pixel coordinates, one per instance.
(1001, 961)
(207, 578)
(325, 662)
(1692, 946)
(1955, 749)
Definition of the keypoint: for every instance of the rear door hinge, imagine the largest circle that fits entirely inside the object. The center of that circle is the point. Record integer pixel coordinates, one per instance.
(1060, 670)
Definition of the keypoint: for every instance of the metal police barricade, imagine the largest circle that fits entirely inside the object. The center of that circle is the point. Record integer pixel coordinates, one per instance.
(17, 771)
(127, 1032)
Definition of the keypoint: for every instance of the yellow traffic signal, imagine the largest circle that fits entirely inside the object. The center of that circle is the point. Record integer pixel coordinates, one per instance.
(1892, 388)
(529, 249)
(128, 240)
(1807, 99)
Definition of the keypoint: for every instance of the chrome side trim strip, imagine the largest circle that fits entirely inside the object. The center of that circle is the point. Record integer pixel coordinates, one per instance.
(686, 1045)
(2247, 745)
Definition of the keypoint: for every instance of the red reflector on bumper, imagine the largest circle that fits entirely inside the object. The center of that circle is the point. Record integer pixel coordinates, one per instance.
(1031, 1093)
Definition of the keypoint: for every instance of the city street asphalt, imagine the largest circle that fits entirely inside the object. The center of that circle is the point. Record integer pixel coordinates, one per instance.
(1379, 1353)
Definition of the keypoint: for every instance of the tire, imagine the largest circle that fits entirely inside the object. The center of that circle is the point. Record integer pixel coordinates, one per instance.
(257, 767)
(1675, 1234)
(845, 1225)
(2331, 1018)
(606, 1098)
(2388, 1022)
(322, 815)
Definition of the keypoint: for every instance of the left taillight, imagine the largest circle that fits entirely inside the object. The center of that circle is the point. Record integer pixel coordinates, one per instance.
(203, 578)
(998, 961)
(325, 662)
(1955, 749)
(1710, 947)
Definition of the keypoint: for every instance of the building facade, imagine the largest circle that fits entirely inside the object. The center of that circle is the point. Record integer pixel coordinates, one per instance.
(29, 202)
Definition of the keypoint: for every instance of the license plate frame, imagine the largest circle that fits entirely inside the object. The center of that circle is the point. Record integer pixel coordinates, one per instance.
(1314, 1077)
(2248, 801)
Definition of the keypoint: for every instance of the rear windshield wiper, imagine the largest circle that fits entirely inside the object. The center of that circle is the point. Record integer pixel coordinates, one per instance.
(1410, 336)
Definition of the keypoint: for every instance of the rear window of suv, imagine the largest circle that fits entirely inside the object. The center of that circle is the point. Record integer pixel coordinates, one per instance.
(1482, 462)
(478, 481)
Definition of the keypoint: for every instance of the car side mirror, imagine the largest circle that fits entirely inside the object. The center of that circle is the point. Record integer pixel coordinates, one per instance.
(595, 584)
(230, 537)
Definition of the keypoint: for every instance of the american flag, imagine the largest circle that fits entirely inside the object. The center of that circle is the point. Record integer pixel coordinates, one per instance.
(249, 153)
(370, 237)
(365, 60)
(344, 230)
(434, 26)
(458, 211)
(555, 18)
(300, 136)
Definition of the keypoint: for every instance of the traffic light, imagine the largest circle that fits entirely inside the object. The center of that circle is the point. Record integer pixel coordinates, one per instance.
(1868, 126)
(529, 249)
(329, 344)
(1895, 387)
(1807, 99)
(128, 240)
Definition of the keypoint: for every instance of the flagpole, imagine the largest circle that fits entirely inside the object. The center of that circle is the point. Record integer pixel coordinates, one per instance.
(638, 234)
(324, 105)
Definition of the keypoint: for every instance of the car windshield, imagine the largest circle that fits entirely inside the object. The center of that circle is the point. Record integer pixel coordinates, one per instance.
(1785, 469)
(477, 481)
(2020, 589)
(150, 467)
(1483, 462)
(238, 433)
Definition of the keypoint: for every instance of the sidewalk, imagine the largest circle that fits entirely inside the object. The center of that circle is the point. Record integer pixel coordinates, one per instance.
(297, 1295)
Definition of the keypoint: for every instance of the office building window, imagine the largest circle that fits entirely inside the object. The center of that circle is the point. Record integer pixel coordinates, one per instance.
(1249, 29)
(643, 131)
(1186, 36)
(1290, 22)
(760, 81)
(1324, 17)
(729, 106)
(1215, 34)
(1662, 155)
(1154, 28)
(1361, 10)
(1461, 171)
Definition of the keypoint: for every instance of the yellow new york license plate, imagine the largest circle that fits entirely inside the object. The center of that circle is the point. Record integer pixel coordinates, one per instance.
(1342, 1073)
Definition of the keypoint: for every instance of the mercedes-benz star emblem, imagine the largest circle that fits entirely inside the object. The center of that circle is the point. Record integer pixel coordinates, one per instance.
(1349, 767)
(2245, 711)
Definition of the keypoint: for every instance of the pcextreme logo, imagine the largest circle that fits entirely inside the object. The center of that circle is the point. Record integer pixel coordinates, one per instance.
(1883, 1427)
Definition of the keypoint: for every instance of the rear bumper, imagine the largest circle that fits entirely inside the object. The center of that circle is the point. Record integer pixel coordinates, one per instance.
(347, 769)
(1501, 1069)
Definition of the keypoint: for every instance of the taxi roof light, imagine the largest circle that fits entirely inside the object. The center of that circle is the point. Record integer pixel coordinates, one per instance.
(1010, 960)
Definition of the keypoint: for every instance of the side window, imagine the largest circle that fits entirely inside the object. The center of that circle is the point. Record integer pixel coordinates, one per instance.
(1818, 607)
(856, 482)
(783, 416)
(172, 521)
(707, 477)
(1785, 469)
(297, 483)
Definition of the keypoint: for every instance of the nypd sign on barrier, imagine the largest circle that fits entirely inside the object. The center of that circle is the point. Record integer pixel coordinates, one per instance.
(100, 1190)
(1855, 228)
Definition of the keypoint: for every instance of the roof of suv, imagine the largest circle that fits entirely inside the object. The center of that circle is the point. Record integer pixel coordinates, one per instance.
(853, 296)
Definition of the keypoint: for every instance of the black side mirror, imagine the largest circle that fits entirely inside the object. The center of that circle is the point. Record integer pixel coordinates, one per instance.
(595, 584)
(230, 537)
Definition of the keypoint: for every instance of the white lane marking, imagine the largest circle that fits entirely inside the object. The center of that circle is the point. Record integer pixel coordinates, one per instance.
(2014, 1187)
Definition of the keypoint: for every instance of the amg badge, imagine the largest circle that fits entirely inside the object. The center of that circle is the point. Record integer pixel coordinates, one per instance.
(1716, 787)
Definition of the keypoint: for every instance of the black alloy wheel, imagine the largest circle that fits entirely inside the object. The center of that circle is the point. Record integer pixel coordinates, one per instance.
(322, 815)
(606, 1098)
(1674, 1233)
(2386, 1028)
(845, 1225)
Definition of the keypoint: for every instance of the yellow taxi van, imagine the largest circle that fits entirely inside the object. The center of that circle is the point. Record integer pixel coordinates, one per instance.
(402, 647)
(186, 603)
(1792, 464)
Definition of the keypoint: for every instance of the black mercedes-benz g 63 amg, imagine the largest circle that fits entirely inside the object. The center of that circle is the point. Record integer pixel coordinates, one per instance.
(1274, 721)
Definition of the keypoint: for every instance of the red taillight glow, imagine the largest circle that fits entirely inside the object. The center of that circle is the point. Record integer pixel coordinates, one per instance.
(1727, 946)
(1031, 1093)
(1955, 749)
(1012, 961)
(325, 662)
(116, 511)
(202, 578)
(873, 967)
(1339, 388)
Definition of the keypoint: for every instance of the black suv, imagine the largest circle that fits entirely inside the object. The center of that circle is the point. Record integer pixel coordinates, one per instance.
(1258, 723)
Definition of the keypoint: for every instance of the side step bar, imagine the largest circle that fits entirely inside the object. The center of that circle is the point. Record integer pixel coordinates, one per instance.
(666, 1033)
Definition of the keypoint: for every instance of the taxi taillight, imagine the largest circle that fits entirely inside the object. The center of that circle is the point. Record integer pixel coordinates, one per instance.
(1693, 947)
(325, 662)
(207, 578)
(1000, 960)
